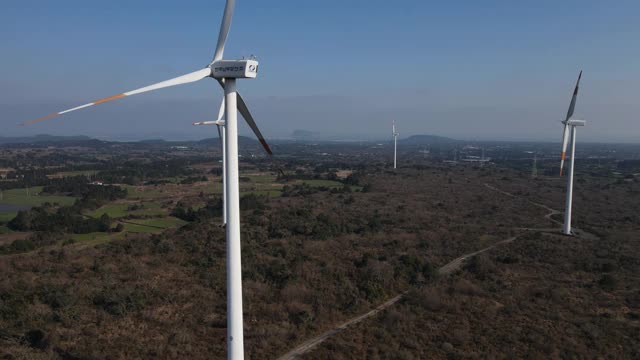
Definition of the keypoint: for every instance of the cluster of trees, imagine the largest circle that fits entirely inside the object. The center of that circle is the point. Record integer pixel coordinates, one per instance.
(213, 208)
(193, 179)
(70, 218)
(303, 222)
(65, 219)
(135, 172)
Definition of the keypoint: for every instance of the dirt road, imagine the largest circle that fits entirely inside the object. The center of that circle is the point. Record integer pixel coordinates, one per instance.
(447, 269)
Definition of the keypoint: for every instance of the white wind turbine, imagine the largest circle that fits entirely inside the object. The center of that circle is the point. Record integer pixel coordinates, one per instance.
(220, 123)
(570, 124)
(225, 72)
(395, 134)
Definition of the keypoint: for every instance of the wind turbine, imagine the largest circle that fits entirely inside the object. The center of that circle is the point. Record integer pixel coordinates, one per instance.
(570, 125)
(395, 134)
(565, 134)
(225, 72)
(220, 123)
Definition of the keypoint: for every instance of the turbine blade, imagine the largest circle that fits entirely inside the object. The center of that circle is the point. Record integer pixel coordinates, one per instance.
(184, 79)
(572, 105)
(224, 29)
(219, 134)
(565, 140)
(244, 111)
(221, 111)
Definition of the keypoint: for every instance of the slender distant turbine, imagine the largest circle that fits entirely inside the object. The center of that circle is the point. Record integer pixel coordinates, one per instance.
(225, 72)
(222, 135)
(565, 134)
(570, 125)
(395, 134)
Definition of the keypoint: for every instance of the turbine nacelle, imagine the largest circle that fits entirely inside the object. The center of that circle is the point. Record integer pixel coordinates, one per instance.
(573, 122)
(234, 69)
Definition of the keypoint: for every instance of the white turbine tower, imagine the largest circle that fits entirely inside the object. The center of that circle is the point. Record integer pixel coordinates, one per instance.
(220, 123)
(395, 134)
(571, 125)
(225, 72)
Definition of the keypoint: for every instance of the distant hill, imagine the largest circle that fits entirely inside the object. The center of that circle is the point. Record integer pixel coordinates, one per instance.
(38, 139)
(303, 135)
(426, 139)
(45, 140)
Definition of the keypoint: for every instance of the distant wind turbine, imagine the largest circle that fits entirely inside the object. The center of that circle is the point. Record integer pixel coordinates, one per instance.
(570, 125)
(395, 134)
(565, 134)
(220, 123)
(225, 72)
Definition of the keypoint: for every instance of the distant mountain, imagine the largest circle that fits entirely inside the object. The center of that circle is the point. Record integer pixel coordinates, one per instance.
(38, 139)
(426, 139)
(303, 135)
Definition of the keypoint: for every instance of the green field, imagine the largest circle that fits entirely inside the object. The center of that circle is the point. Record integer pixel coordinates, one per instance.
(20, 197)
(147, 193)
(121, 210)
(4, 230)
(262, 179)
(113, 210)
(152, 225)
(91, 239)
(7, 216)
(150, 208)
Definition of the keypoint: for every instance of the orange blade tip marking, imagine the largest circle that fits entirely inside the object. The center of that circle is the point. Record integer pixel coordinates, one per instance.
(39, 119)
(114, 97)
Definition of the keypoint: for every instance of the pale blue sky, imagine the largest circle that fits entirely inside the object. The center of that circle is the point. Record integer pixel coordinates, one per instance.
(465, 69)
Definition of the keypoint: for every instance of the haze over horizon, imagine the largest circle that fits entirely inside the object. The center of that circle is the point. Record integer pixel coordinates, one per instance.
(490, 71)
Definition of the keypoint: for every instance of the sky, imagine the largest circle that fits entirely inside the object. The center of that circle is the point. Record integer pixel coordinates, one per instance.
(474, 70)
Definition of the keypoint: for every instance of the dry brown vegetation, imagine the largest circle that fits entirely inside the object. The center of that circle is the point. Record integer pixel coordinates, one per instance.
(312, 261)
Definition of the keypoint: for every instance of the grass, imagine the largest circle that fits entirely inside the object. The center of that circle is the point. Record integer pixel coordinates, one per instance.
(116, 211)
(150, 209)
(19, 197)
(5, 230)
(262, 179)
(113, 210)
(7, 216)
(92, 239)
(152, 225)
(134, 192)
(214, 188)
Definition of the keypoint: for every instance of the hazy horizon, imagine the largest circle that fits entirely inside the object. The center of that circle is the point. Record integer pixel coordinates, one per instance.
(491, 71)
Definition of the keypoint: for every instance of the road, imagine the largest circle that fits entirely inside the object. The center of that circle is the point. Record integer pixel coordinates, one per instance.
(310, 344)
(449, 268)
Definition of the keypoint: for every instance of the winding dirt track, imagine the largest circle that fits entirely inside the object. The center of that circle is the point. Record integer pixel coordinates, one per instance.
(447, 269)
